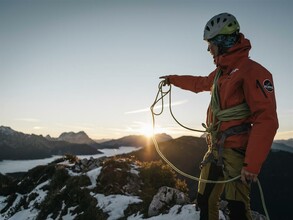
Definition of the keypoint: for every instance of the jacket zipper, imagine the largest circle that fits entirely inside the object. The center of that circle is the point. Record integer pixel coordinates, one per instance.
(258, 85)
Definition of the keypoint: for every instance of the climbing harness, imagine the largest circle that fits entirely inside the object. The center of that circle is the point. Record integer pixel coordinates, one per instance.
(241, 111)
(219, 146)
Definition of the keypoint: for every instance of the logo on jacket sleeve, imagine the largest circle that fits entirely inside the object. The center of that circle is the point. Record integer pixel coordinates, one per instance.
(268, 85)
(234, 71)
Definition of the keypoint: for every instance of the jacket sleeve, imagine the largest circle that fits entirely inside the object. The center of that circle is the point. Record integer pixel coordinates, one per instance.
(259, 93)
(193, 83)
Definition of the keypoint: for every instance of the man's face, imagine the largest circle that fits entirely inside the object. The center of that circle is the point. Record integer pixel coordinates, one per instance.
(213, 49)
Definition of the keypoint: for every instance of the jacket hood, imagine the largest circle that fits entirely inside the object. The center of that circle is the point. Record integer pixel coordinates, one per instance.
(234, 55)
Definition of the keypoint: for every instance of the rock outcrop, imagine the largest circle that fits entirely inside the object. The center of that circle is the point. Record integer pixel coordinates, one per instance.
(166, 198)
(85, 165)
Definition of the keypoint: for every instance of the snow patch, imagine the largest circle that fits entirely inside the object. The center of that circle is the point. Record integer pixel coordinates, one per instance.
(93, 175)
(186, 212)
(69, 216)
(71, 173)
(2, 202)
(115, 205)
(134, 169)
(26, 214)
(41, 193)
(66, 163)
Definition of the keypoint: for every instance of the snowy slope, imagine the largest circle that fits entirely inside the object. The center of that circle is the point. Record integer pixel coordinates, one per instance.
(56, 191)
(25, 205)
(113, 205)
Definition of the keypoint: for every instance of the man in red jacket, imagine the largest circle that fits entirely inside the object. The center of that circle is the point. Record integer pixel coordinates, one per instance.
(241, 118)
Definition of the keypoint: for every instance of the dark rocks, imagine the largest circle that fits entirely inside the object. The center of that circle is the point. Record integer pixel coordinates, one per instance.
(119, 176)
(166, 198)
(8, 185)
(85, 165)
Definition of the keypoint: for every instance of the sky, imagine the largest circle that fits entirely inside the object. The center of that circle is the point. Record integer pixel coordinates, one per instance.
(94, 65)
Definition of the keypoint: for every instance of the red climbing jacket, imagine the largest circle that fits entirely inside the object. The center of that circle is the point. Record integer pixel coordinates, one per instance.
(242, 80)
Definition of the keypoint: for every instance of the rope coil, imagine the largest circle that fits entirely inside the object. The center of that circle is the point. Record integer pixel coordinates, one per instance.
(160, 98)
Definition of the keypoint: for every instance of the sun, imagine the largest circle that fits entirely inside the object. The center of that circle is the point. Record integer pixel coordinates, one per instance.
(148, 130)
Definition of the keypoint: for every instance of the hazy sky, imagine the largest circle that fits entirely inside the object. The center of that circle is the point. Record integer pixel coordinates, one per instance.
(94, 65)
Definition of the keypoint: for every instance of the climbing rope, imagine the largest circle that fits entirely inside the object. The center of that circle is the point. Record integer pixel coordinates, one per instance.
(160, 98)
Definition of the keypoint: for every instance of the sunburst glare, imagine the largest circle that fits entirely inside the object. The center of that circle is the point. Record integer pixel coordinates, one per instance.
(148, 130)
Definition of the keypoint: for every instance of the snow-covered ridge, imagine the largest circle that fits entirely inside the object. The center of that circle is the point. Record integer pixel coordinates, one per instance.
(95, 188)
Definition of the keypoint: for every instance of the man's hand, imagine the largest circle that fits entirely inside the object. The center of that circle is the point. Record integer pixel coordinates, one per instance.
(166, 80)
(247, 177)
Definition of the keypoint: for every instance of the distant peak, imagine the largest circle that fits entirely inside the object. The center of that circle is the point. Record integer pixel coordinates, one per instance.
(4, 127)
(71, 133)
(80, 137)
(82, 132)
(6, 130)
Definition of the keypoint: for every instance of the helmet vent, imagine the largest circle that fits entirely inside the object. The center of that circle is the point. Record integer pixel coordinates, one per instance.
(207, 28)
(212, 23)
(218, 20)
(225, 19)
(229, 25)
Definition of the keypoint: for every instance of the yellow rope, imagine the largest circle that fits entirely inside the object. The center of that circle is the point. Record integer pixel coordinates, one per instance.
(160, 97)
(185, 174)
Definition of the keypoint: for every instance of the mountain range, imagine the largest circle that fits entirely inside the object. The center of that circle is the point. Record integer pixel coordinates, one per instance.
(16, 145)
(76, 138)
(135, 141)
(288, 142)
(184, 152)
